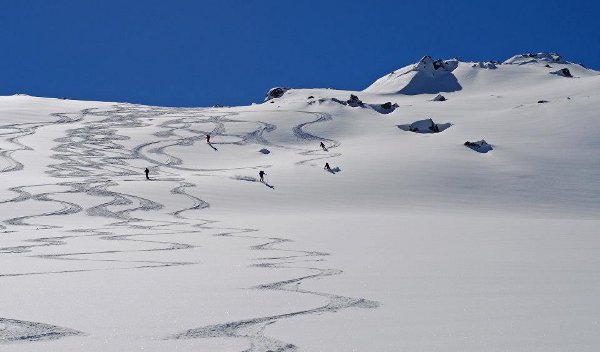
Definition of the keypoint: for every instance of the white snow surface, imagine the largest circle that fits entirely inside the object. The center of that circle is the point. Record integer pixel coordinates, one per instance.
(417, 243)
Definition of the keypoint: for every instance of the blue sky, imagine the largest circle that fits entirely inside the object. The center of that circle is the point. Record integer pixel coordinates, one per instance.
(198, 53)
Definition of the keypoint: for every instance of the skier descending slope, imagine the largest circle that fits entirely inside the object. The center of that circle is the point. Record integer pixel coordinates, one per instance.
(147, 172)
(323, 146)
(210, 144)
(327, 167)
(262, 174)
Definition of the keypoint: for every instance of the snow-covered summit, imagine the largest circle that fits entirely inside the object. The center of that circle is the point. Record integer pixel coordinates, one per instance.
(527, 58)
(426, 76)
(429, 76)
(429, 65)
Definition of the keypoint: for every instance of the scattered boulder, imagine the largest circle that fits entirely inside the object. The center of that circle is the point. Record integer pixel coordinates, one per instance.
(542, 101)
(354, 101)
(480, 146)
(311, 97)
(387, 105)
(425, 126)
(276, 92)
(439, 97)
(564, 72)
(335, 100)
(265, 151)
(384, 108)
(490, 65)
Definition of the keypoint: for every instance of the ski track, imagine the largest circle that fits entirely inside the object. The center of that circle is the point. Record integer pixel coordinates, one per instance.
(316, 154)
(12, 331)
(94, 162)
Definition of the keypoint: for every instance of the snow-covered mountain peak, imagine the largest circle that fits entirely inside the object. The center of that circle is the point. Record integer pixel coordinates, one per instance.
(429, 76)
(527, 58)
(275, 92)
(427, 64)
(425, 77)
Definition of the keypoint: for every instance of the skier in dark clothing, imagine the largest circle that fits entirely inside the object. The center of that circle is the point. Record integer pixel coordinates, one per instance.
(208, 138)
(323, 146)
(262, 174)
(327, 167)
(147, 172)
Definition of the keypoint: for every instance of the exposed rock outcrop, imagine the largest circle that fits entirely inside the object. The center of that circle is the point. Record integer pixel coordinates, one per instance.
(528, 58)
(564, 72)
(490, 65)
(425, 126)
(276, 92)
(480, 146)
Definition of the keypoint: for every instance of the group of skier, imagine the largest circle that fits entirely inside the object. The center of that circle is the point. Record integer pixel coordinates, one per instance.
(261, 173)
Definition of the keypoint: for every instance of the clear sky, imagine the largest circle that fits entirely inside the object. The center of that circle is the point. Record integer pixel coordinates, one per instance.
(198, 53)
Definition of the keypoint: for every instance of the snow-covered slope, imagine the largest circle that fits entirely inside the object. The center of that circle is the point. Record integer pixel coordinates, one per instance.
(430, 76)
(414, 241)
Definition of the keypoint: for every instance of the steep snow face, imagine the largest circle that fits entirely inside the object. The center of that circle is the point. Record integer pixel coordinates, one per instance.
(425, 77)
(528, 58)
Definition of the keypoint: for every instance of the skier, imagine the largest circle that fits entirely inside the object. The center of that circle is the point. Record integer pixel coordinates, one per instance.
(327, 167)
(147, 172)
(323, 146)
(262, 174)
(208, 138)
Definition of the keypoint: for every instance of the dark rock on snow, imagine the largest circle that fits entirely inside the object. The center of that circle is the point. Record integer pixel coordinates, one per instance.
(276, 92)
(491, 65)
(480, 146)
(425, 126)
(354, 101)
(384, 108)
(564, 72)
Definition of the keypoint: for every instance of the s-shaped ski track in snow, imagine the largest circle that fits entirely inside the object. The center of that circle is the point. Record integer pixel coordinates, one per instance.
(92, 161)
